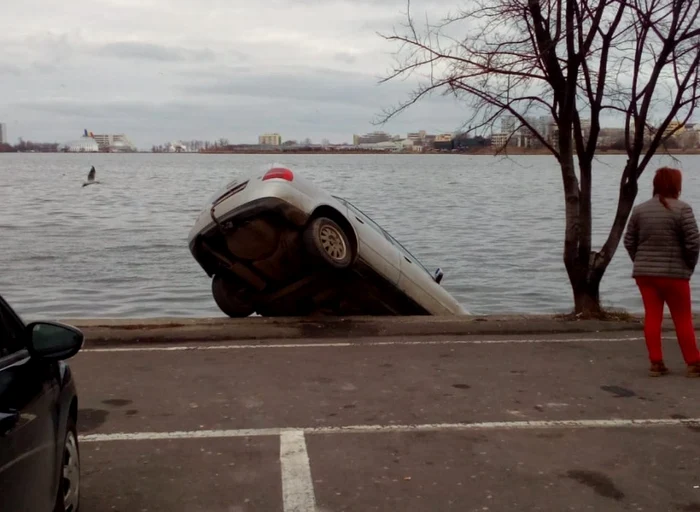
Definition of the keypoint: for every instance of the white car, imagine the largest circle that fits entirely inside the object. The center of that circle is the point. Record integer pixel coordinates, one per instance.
(275, 244)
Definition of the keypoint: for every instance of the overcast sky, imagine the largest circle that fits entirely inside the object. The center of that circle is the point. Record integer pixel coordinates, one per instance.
(162, 70)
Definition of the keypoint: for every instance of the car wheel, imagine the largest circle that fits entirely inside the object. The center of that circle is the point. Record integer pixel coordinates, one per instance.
(227, 295)
(326, 240)
(68, 499)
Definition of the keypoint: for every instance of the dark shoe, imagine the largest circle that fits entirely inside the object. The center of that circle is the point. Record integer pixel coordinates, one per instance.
(658, 369)
(693, 370)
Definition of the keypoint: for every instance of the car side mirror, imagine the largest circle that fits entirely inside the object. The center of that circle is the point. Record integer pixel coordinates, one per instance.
(53, 340)
(438, 276)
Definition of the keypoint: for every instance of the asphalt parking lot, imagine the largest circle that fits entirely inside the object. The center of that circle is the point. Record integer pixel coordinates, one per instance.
(565, 422)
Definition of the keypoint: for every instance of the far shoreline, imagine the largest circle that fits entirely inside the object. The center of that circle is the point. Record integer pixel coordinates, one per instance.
(481, 152)
(476, 152)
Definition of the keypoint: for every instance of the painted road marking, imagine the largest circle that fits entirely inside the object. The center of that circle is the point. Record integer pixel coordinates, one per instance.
(297, 486)
(343, 344)
(427, 427)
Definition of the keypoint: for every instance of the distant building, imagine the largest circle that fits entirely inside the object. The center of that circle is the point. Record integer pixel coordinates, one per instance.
(386, 145)
(499, 140)
(405, 144)
(675, 128)
(543, 125)
(509, 124)
(3, 133)
(421, 139)
(270, 139)
(84, 144)
(417, 136)
(464, 142)
(523, 137)
(92, 143)
(115, 143)
(609, 137)
(371, 138)
(515, 133)
(443, 142)
(689, 139)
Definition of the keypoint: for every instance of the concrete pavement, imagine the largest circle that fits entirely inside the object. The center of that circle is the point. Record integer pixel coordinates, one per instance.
(468, 423)
(175, 330)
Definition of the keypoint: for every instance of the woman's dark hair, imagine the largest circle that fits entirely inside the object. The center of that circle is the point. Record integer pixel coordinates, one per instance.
(667, 184)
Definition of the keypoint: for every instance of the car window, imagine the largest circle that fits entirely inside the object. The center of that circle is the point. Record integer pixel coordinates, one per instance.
(11, 331)
(406, 252)
(381, 230)
(362, 215)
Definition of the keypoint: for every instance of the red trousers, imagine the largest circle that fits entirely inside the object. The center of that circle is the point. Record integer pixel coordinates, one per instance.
(676, 293)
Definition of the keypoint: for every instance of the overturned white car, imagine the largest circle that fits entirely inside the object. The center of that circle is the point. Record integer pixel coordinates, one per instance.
(277, 245)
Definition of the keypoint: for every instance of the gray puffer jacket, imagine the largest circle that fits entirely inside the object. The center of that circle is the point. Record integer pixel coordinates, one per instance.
(663, 242)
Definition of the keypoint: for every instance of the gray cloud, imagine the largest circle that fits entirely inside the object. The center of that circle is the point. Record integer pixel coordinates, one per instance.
(151, 51)
(10, 69)
(348, 58)
(81, 109)
(310, 85)
(45, 67)
(167, 69)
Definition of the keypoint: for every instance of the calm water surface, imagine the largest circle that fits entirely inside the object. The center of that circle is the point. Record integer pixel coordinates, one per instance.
(119, 249)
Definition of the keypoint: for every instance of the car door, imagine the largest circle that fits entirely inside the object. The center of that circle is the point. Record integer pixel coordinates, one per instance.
(375, 249)
(28, 417)
(417, 283)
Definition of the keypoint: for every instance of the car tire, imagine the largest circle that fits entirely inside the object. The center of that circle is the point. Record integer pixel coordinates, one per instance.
(326, 241)
(227, 295)
(68, 498)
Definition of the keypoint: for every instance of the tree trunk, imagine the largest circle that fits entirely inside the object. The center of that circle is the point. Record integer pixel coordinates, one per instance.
(587, 272)
(587, 298)
(585, 284)
(625, 202)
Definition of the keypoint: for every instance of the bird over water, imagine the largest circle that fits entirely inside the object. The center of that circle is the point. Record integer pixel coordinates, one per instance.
(91, 177)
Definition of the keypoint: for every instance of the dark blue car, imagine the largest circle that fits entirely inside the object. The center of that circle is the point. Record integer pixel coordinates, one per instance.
(39, 457)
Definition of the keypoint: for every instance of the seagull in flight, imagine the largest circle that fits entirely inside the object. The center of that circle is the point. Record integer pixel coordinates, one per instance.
(91, 177)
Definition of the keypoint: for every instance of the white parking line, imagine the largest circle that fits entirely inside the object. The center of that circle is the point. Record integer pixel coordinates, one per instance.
(297, 486)
(426, 427)
(343, 344)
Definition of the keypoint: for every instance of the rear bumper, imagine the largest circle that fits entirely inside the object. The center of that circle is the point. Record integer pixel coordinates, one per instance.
(265, 205)
(252, 200)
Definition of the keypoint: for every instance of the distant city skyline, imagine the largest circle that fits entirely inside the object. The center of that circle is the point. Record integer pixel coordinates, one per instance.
(506, 130)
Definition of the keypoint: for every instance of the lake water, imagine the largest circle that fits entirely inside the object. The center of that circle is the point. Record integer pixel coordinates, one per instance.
(119, 249)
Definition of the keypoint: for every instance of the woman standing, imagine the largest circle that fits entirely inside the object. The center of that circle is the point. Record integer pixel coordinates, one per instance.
(663, 241)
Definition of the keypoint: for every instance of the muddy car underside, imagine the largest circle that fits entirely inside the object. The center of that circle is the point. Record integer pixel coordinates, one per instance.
(276, 262)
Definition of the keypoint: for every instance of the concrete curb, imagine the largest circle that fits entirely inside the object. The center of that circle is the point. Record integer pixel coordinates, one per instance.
(188, 330)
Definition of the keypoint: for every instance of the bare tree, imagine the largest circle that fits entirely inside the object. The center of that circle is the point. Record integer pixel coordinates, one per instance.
(569, 60)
